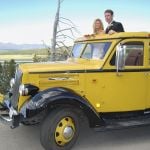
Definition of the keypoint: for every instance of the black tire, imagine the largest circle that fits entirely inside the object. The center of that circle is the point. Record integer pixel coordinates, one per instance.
(49, 127)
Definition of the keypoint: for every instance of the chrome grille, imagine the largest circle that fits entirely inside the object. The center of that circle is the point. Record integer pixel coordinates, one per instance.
(15, 91)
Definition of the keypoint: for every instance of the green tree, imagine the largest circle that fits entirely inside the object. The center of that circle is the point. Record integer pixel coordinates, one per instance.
(0, 67)
(37, 58)
(12, 68)
(7, 71)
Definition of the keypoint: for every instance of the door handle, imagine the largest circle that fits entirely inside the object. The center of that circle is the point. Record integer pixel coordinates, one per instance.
(147, 74)
(119, 74)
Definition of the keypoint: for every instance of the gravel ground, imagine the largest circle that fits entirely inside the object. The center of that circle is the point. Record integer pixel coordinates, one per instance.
(27, 138)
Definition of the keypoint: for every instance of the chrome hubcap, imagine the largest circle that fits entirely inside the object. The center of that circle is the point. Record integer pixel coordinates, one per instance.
(68, 132)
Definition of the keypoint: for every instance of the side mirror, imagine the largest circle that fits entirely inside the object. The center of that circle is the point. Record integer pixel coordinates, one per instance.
(120, 57)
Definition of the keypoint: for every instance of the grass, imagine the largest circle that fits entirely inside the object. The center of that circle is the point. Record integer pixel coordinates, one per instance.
(22, 54)
(19, 57)
(29, 52)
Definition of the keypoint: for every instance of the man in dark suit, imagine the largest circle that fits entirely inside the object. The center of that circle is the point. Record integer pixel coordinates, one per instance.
(113, 26)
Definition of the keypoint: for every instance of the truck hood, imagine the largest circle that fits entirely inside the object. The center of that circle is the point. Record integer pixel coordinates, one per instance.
(69, 65)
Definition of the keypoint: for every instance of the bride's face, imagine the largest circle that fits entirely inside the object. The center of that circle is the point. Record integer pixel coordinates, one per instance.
(98, 25)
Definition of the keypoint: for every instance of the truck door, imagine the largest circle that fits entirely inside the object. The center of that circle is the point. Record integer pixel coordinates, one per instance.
(125, 91)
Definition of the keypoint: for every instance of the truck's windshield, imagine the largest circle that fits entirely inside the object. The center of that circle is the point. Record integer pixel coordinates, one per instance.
(91, 50)
(77, 49)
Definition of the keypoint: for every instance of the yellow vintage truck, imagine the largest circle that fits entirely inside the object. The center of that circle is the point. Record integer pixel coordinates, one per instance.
(106, 79)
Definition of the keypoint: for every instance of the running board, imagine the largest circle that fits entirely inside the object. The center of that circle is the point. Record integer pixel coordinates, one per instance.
(116, 124)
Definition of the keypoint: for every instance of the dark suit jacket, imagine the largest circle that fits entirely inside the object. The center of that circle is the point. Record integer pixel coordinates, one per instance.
(116, 26)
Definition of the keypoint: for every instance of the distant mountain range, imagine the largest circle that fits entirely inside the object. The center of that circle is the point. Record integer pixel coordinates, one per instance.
(12, 46)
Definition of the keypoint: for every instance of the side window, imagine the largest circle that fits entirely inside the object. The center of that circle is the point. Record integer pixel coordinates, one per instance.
(134, 54)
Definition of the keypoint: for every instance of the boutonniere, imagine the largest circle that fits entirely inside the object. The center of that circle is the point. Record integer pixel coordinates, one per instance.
(110, 25)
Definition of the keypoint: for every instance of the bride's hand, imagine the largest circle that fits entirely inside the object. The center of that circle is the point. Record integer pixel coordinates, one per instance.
(111, 32)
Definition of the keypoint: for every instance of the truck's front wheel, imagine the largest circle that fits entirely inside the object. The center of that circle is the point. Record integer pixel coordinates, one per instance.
(60, 130)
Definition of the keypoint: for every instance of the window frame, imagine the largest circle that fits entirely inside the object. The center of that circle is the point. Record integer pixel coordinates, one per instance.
(129, 41)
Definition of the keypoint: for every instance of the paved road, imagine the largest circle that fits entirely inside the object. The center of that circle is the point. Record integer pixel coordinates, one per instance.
(27, 138)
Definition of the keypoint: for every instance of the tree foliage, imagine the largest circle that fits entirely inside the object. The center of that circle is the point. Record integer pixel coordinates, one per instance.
(7, 71)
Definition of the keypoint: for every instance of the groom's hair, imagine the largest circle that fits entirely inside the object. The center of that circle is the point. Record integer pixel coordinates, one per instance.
(109, 11)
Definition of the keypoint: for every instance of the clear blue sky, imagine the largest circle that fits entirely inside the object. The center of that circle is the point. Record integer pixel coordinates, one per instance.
(30, 21)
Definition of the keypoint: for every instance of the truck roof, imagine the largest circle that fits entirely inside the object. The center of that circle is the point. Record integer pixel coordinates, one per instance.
(114, 36)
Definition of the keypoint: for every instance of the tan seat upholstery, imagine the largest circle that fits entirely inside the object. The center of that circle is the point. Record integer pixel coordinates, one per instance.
(135, 58)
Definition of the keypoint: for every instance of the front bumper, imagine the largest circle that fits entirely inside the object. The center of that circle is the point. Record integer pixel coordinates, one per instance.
(28, 114)
(8, 115)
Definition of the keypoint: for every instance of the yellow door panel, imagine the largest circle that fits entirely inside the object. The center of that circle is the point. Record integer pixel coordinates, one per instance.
(111, 93)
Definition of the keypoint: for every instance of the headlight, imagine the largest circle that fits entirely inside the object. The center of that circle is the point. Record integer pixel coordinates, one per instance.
(23, 90)
(28, 89)
(12, 82)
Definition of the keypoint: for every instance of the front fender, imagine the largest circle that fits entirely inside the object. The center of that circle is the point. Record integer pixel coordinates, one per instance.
(60, 96)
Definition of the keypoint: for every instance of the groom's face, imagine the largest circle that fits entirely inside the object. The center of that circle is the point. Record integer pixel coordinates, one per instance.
(108, 17)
